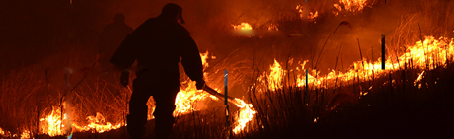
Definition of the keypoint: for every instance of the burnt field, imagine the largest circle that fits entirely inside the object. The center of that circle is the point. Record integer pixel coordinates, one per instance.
(296, 69)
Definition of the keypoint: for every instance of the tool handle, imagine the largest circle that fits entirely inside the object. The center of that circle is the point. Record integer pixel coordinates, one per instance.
(213, 92)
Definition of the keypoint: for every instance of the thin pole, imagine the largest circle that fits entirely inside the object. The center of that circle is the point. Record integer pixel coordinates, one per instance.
(446, 55)
(226, 104)
(360, 54)
(383, 51)
(422, 43)
(307, 90)
(372, 60)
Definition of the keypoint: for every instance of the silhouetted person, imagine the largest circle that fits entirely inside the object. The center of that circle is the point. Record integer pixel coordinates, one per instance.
(157, 45)
(111, 38)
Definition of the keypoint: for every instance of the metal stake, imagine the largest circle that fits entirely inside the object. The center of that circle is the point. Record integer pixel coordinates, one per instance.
(383, 59)
(226, 105)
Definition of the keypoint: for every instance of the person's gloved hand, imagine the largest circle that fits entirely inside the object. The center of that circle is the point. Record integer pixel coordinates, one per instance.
(200, 84)
(124, 79)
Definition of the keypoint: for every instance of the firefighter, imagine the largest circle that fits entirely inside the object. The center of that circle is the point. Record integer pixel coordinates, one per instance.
(157, 45)
(111, 38)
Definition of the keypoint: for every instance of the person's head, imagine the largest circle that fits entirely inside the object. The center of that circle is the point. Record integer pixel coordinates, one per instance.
(172, 12)
(119, 18)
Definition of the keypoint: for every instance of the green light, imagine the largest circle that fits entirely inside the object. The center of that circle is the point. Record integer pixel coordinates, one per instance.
(70, 136)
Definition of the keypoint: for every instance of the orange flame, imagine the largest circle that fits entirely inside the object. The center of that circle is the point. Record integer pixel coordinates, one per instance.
(52, 124)
(243, 26)
(312, 16)
(246, 114)
(272, 27)
(300, 10)
(425, 55)
(353, 6)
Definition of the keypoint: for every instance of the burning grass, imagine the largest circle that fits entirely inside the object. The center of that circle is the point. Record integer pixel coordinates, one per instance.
(278, 103)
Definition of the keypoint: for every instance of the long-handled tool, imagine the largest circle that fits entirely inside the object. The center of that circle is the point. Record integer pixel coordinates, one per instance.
(213, 92)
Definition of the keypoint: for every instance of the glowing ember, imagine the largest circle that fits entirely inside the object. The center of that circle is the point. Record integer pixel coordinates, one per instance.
(338, 7)
(418, 80)
(243, 26)
(299, 8)
(353, 5)
(25, 135)
(7, 134)
(2, 132)
(316, 119)
(272, 27)
(312, 16)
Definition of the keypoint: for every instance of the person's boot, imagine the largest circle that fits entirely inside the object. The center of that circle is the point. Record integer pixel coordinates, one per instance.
(163, 129)
(135, 127)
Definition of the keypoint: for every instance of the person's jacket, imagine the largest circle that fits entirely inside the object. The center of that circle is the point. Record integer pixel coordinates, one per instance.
(158, 45)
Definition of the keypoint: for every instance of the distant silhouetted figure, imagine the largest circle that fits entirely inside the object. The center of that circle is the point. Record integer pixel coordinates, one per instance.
(158, 44)
(111, 38)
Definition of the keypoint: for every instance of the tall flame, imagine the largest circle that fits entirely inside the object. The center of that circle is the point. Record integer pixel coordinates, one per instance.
(246, 114)
(428, 54)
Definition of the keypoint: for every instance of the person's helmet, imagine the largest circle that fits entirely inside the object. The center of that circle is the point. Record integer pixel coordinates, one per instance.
(172, 10)
(119, 18)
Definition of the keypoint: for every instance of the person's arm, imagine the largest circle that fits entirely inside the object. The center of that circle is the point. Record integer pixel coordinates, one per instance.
(127, 52)
(191, 61)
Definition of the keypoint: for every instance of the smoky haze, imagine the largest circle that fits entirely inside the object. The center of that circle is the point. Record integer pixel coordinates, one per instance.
(30, 31)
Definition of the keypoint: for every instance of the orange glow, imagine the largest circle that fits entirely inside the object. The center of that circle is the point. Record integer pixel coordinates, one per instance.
(299, 8)
(312, 16)
(426, 55)
(97, 124)
(418, 80)
(2, 132)
(188, 98)
(243, 26)
(431, 51)
(272, 27)
(25, 135)
(275, 77)
(353, 6)
(246, 114)
(52, 124)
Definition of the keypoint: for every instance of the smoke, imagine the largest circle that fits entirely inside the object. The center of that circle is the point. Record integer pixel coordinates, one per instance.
(68, 100)
(32, 31)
